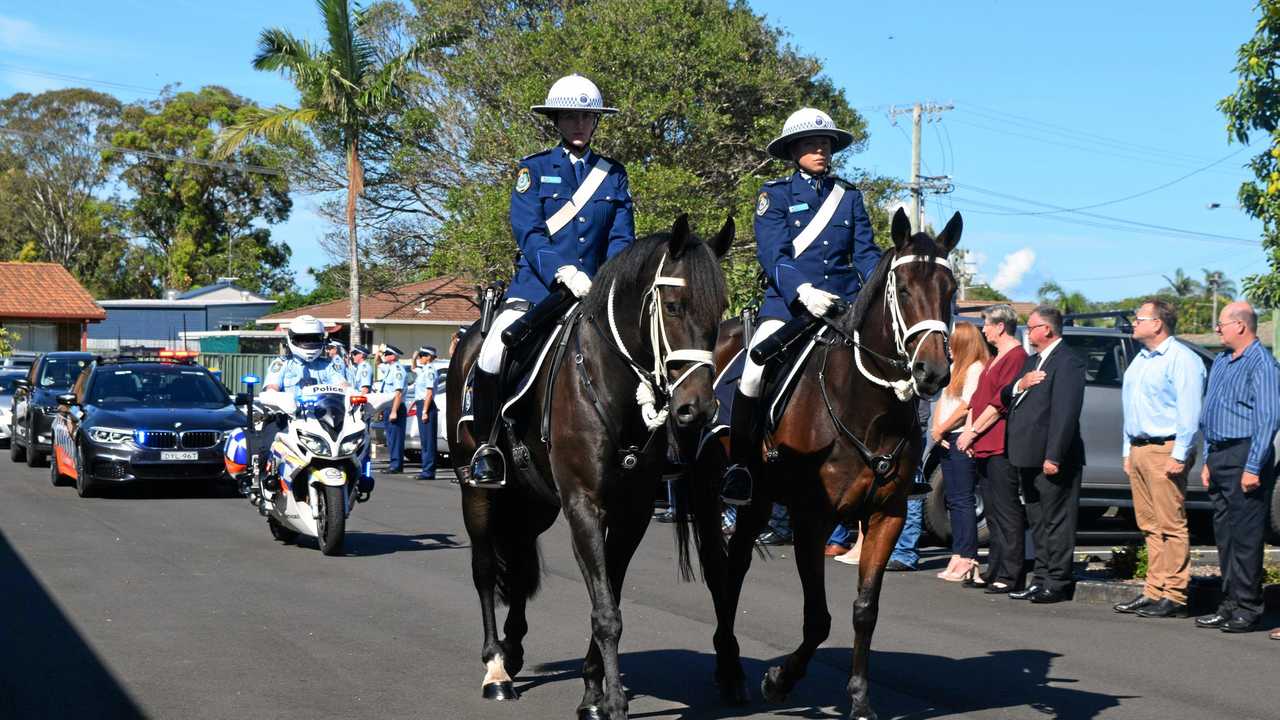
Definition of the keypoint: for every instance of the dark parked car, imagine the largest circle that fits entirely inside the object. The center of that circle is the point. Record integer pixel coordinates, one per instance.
(128, 419)
(19, 360)
(35, 400)
(8, 384)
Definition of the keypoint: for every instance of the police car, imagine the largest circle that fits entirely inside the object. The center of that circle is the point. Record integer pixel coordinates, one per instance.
(131, 419)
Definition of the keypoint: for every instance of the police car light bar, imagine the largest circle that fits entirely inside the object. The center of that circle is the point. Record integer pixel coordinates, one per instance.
(249, 380)
(178, 354)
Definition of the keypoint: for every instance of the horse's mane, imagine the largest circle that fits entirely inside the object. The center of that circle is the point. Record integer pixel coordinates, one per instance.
(633, 270)
(872, 291)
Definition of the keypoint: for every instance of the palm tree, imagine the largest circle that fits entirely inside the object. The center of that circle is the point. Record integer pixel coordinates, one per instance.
(343, 87)
(1183, 285)
(1217, 283)
(1052, 293)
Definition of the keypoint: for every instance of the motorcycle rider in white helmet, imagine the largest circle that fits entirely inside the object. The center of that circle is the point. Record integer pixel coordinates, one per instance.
(815, 245)
(570, 212)
(304, 365)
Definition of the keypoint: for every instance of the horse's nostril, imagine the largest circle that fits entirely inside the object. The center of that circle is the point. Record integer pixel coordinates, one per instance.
(684, 412)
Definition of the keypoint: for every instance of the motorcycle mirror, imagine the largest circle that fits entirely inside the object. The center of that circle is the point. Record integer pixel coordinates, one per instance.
(243, 399)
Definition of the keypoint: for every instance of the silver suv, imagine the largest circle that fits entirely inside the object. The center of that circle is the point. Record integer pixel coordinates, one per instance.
(1107, 352)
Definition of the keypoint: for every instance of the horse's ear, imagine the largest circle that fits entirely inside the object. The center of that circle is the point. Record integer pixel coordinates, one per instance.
(723, 240)
(900, 229)
(679, 236)
(950, 235)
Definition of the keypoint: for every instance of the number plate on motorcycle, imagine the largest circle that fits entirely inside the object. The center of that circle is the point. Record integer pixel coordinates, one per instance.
(179, 455)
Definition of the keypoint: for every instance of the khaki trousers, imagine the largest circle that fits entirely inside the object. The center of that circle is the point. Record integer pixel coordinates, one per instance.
(1159, 504)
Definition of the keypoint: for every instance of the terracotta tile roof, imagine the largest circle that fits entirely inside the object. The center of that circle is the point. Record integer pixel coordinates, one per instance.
(44, 291)
(442, 300)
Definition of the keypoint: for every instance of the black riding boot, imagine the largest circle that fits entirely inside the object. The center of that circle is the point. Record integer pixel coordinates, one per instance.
(486, 464)
(743, 442)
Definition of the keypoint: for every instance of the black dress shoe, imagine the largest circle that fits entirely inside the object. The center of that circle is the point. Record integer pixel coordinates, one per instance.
(1163, 608)
(997, 588)
(770, 537)
(1238, 625)
(1133, 605)
(978, 582)
(1046, 597)
(898, 566)
(1212, 620)
(1032, 589)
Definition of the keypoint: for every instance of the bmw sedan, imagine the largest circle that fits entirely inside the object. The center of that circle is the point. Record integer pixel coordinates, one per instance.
(127, 420)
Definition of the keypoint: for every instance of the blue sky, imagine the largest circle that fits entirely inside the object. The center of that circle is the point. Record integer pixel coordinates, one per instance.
(1065, 105)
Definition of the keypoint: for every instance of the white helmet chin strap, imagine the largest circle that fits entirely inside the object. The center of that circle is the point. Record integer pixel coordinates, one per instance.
(663, 354)
(902, 334)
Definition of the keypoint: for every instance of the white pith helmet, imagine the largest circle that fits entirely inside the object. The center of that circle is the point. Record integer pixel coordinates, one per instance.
(574, 92)
(807, 122)
(306, 338)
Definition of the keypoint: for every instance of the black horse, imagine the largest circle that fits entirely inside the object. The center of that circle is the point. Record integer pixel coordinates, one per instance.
(651, 319)
(846, 449)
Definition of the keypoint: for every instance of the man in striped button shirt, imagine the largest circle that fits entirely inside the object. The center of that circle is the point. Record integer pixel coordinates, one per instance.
(1240, 420)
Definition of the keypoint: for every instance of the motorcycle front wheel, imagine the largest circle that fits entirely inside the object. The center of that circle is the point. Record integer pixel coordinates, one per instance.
(331, 525)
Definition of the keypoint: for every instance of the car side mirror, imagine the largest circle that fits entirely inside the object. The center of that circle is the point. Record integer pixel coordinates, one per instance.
(67, 399)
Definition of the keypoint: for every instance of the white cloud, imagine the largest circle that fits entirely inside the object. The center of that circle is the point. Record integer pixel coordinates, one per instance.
(1012, 268)
(22, 36)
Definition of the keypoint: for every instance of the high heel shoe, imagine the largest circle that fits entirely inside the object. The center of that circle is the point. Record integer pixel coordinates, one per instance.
(952, 567)
(975, 579)
(967, 571)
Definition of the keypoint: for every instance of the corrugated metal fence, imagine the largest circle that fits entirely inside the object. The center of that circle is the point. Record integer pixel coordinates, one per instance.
(235, 366)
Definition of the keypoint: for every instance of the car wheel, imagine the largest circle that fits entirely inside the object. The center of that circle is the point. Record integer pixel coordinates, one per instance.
(34, 457)
(1274, 525)
(17, 453)
(937, 519)
(85, 486)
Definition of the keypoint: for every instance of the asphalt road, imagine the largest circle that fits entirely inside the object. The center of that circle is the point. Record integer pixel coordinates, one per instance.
(172, 602)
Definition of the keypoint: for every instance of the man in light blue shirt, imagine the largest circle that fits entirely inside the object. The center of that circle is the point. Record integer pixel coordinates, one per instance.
(1163, 392)
(424, 400)
(393, 379)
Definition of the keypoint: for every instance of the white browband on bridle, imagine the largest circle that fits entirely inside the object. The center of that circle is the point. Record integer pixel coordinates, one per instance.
(653, 415)
(902, 334)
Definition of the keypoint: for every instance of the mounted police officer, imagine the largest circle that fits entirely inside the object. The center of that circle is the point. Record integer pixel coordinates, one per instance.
(393, 379)
(570, 211)
(304, 364)
(359, 371)
(814, 243)
(424, 398)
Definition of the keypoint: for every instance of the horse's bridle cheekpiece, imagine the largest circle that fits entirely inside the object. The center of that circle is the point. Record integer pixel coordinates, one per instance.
(902, 334)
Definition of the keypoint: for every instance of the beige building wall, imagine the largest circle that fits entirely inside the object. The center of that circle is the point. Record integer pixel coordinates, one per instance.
(411, 337)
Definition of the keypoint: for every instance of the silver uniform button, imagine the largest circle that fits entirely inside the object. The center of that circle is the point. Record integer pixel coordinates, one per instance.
(582, 240)
(555, 195)
(797, 223)
(582, 219)
(846, 222)
(824, 242)
(608, 197)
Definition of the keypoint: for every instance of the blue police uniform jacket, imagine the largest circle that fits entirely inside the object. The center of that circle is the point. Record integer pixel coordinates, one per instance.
(602, 228)
(288, 372)
(424, 380)
(839, 258)
(392, 377)
(360, 376)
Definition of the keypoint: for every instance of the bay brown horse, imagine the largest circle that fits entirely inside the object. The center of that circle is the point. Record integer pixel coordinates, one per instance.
(653, 313)
(845, 449)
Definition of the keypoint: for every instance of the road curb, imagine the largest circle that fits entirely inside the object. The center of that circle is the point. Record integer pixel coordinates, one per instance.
(1203, 595)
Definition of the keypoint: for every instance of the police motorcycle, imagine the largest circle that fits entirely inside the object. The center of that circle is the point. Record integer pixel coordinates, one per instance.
(308, 482)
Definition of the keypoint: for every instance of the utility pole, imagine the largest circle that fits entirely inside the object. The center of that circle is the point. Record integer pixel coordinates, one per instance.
(920, 183)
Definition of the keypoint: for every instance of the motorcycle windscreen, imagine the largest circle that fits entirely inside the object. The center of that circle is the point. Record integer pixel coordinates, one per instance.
(330, 411)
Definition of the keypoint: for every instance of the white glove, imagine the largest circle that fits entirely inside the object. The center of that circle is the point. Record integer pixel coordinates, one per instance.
(578, 282)
(816, 301)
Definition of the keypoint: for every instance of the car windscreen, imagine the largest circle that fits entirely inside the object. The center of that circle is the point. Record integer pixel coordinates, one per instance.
(160, 386)
(1103, 355)
(60, 372)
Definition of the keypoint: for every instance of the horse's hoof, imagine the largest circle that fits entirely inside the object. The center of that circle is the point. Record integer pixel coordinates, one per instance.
(769, 686)
(864, 715)
(501, 691)
(590, 712)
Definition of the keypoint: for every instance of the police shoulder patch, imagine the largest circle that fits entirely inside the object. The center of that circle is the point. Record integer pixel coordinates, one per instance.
(523, 180)
(762, 203)
(276, 365)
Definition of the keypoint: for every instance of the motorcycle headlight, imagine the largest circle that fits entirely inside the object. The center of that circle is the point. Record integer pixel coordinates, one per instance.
(316, 445)
(110, 436)
(351, 444)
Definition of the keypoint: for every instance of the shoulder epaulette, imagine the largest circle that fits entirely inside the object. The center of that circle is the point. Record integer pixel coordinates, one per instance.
(776, 181)
(537, 154)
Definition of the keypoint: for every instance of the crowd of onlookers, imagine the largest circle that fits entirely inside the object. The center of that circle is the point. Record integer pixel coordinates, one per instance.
(1008, 426)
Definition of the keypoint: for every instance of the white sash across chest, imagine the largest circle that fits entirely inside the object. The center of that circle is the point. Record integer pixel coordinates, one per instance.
(819, 222)
(588, 188)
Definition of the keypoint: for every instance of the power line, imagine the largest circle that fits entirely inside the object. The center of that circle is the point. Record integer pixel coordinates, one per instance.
(1134, 195)
(75, 78)
(238, 167)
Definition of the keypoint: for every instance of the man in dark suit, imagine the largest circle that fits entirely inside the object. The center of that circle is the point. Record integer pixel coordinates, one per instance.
(1044, 444)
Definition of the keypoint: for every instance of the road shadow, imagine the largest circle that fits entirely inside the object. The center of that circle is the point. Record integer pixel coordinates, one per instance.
(49, 671)
(371, 544)
(920, 686)
(176, 489)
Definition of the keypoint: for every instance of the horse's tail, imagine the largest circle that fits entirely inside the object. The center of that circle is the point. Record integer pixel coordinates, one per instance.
(698, 503)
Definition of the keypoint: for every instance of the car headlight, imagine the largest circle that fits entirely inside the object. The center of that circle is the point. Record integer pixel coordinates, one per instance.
(316, 445)
(110, 436)
(351, 444)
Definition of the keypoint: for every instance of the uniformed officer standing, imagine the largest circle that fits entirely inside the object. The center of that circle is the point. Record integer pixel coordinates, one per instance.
(424, 398)
(359, 372)
(337, 353)
(570, 211)
(392, 378)
(814, 242)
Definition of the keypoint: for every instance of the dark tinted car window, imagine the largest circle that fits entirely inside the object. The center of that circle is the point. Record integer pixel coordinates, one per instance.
(159, 386)
(60, 372)
(1103, 358)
